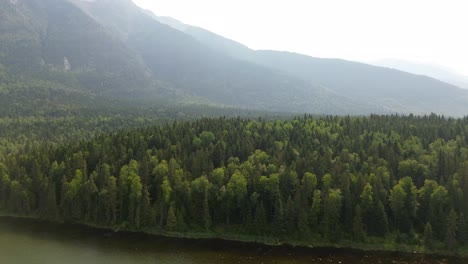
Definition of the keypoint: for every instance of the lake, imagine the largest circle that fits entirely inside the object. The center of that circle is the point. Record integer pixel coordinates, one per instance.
(27, 241)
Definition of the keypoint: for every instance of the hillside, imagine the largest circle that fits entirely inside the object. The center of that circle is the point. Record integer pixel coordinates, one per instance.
(200, 70)
(83, 53)
(435, 71)
(389, 89)
(392, 89)
(54, 41)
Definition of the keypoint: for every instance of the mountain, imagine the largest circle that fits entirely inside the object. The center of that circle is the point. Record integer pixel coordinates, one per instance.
(435, 71)
(54, 36)
(200, 70)
(212, 40)
(56, 60)
(382, 88)
(114, 50)
(392, 89)
(77, 54)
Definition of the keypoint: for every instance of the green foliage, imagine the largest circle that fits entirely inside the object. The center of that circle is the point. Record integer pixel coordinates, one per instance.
(428, 236)
(358, 226)
(332, 213)
(397, 204)
(451, 233)
(171, 222)
(315, 210)
(310, 189)
(462, 234)
(237, 190)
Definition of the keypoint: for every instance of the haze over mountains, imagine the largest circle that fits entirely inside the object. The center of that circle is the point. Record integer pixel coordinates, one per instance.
(75, 52)
(435, 71)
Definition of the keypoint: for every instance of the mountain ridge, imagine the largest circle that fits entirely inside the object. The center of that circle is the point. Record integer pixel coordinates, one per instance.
(116, 50)
(392, 89)
(435, 71)
(176, 57)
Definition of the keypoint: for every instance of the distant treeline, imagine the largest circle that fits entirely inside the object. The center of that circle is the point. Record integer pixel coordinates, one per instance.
(400, 178)
(25, 124)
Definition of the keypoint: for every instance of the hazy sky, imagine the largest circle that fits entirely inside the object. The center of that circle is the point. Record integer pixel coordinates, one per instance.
(433, 31)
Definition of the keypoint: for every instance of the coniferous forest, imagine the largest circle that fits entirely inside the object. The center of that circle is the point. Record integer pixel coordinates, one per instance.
(308, 180)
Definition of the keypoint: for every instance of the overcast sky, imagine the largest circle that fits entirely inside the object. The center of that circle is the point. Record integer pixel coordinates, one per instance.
(429, 31)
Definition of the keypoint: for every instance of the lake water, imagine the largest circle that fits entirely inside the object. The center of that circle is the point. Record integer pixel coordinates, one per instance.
(31, 242)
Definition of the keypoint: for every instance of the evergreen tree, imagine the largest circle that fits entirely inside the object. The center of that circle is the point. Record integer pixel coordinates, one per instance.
(51, 205)
(380, 223)
(380, 176)
(279, 228)
(367, 205)
(358, 226)
(315, 210)
(397, 204)
(451, 233)
(206, 210)
(428, 236)
(147, 214)
(290, 216)
(260, 219)
(331, 214)
(462, 234)
(171, 221)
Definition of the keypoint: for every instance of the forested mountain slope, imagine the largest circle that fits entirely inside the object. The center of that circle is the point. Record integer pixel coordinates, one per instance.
(179, 59)
(115, 50)
(52, 40)
(389, 89)
(380, 180)
(100, 50)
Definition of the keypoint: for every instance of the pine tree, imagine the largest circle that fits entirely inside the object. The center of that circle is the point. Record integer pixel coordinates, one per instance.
(171, 221)
(278, 219)
(358, 226)
(331, 214)
(147, 214)
(181, 225)
(367, 205)
(428, 236)
(397, 204)
(380, 220)
(5, 182)
(451, 233)
(315, 210)
(462, 235)
(206, 210)
(111, 200)
(260, 219)
(290, 216)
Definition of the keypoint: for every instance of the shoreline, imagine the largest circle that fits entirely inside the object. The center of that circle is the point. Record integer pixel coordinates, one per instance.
(248, 241)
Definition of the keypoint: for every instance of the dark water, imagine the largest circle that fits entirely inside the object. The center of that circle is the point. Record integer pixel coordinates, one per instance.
(24, 241)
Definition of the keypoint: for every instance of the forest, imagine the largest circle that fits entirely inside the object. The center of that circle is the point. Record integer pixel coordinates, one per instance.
(309, 180)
